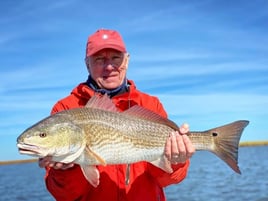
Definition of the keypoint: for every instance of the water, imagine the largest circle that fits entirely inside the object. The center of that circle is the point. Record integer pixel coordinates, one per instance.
(23, 182)
(208, 179)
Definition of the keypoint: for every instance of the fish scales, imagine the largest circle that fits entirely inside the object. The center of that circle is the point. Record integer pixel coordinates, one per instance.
(202, 140)
(119, 136)
(113, 126)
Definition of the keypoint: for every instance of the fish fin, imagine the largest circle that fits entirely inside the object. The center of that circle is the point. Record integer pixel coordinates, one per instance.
(96, 156)
(91, 173)
(163, 164)
(101, 102)
(143, 113)
(226, 142)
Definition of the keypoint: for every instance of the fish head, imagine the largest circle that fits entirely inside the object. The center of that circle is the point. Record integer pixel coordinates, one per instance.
(55, 136)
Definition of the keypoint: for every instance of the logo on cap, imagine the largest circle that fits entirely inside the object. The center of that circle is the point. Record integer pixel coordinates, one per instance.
(104, 36)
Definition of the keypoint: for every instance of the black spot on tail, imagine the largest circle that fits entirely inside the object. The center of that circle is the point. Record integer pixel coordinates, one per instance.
(214, 134)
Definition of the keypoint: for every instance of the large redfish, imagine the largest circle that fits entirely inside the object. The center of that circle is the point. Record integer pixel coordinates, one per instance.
(99, 134)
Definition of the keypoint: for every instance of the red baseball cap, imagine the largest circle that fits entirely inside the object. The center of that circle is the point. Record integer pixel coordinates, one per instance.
(104, 38)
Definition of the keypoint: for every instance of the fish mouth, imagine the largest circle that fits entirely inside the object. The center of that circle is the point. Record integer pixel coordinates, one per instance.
(28, 149)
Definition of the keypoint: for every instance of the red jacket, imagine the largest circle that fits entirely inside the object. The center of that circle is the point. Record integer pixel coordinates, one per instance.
(146, 181)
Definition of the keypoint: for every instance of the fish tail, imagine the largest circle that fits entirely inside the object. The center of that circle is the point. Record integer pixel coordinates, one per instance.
(226, 142)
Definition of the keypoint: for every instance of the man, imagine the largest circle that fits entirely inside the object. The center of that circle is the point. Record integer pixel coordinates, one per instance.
(107, 63)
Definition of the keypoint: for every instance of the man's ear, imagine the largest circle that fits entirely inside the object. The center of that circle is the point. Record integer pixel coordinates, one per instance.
(88, 68)
(127, 57)
(87, 65)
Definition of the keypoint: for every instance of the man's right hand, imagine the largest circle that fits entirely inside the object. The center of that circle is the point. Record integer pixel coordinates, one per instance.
(47, 162)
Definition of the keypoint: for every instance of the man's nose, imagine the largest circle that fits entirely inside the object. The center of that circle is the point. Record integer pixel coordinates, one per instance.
(108, 65)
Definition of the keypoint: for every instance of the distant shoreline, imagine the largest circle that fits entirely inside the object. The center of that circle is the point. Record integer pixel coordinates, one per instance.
(18, 161)
(241, 144)
(253, 143)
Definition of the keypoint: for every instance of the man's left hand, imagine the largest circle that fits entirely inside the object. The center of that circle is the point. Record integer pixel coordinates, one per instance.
(178, 147)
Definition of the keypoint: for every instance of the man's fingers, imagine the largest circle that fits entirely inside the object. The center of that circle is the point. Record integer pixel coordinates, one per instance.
(174, 143)
(185, 128)
(181, 149)
(47, 162)
(190, 150)
(167, 150)
(43, 162)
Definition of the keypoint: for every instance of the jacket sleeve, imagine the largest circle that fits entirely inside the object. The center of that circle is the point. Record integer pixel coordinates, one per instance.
(164, 179)
(67, 184)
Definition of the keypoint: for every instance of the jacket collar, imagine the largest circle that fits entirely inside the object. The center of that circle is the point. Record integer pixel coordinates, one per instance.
(119, 90)
(85, 92)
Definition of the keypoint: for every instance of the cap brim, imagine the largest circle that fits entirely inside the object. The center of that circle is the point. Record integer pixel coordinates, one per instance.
(107, 46)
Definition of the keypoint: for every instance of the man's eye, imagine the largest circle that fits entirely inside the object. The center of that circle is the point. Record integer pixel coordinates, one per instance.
(117, 60)
(116, 57)
(99, 59)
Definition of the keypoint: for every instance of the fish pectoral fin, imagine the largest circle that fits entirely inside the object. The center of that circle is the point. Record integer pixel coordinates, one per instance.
(95, 156)
(163, 164)
(91, 173)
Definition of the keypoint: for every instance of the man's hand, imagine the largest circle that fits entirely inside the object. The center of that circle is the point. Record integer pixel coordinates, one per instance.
(47, 162)
(178, 146)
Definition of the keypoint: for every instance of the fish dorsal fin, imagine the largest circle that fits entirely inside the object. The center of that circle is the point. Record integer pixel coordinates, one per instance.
(143, 113)
(101, 102)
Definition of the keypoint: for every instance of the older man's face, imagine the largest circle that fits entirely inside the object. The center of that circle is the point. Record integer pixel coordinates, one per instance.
(108, 68)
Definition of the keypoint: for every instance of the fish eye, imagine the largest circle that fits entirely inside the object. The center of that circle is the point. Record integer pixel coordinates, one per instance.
(42, 135)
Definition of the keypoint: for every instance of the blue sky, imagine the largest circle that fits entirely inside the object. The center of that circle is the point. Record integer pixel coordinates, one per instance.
(207, 61)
